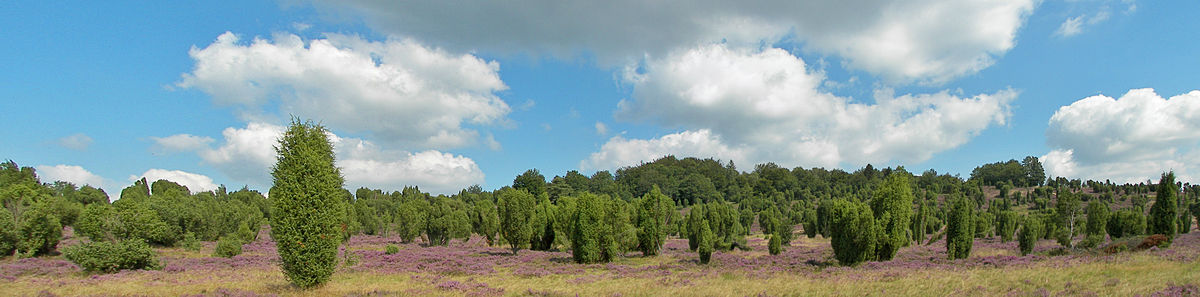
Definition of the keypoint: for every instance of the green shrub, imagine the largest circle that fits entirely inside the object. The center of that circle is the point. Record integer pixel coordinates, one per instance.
(96, 222)
(773, 246)
(391, 249)
(39, 230)
(1097, 219)
(1126, 222)
(108, 257)
(652, 212)
(1028, 237)
(1165, 212)
(515, 208)
(228, 246)
(8, 235)
(594, 238)
(705, 246)
(245, 234)
(189, 242)
(854, 232)
(959, 228)
(1091, 241)
(309, 204)
(892, 207)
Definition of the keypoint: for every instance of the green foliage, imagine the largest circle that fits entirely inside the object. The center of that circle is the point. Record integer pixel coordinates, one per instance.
(486, 220)
(1126, 222)
(855, 232)
(8, 234)
(447, 219)
(1066, 210)
(391, 249)
(245, 233)
(38, 230)
(1097, 218)
(653, 212)
(137, 220)
(983, 224)
(515, 208)
(309, 213)
(1028, 237)
(96, 222)
(1166, 208)
(1028, 172)
(531, 181)
(189, 242)
(892, 208)
(228, 246)
(774, 245)
(594, 239)
(810, 223)
(959, 228)
(410, 219)
(109, 257)
(706, 241)
(1006, 225)
(542, 225)
(1091, 241)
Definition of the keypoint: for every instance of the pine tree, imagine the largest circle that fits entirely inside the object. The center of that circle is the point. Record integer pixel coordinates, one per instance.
(308, 211)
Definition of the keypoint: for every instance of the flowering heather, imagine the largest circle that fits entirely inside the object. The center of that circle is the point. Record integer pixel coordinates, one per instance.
(472, 268)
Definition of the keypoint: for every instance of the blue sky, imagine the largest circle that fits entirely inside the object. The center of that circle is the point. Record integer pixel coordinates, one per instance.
(444, 95)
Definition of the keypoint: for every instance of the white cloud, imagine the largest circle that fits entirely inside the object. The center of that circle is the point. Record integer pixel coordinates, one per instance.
(1129, 139)
(367, 165)
(70, 173)
(765, 105)
(601, 129)
(1070, 27)
(619, 151)
(922, 40)
(180, 143)
(491, 143)
(193, 181)
(247, 154)
(398, 90)
(78, 142)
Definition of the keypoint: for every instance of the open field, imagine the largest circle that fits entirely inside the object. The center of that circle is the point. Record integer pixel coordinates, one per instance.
(474, 269)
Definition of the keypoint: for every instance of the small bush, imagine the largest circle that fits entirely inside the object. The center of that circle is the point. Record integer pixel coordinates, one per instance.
(1156, 240)
(391, 249)
(774, 245)
(227, 247)
(190, 242)
(109, 257)
(1091, 241)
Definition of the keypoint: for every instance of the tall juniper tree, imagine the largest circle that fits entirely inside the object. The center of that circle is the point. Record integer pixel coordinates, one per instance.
(308, 203)
(1166, 208)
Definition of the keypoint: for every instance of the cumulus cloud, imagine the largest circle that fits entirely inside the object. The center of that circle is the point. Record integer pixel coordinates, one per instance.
(180, 143)
(619, 151)
(765, 105)
(193, 181)
(398, 90)
(1128, 139)
(922, 40)
(247, 155)
(78, 142)
(70, 173)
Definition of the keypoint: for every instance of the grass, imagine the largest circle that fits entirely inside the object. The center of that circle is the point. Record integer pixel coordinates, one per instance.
(918, 271)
